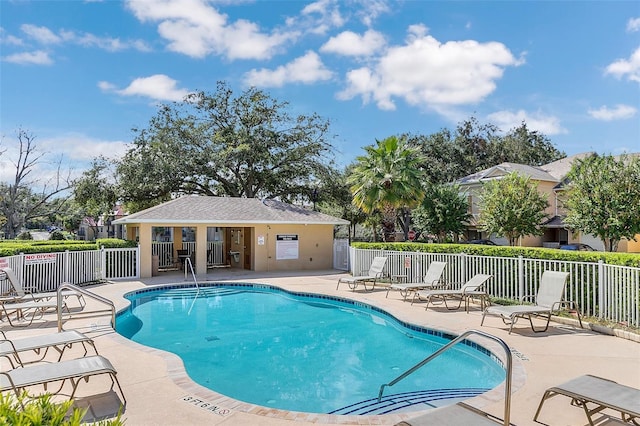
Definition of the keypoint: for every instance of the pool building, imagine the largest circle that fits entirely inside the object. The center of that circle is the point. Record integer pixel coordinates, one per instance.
(239, 233)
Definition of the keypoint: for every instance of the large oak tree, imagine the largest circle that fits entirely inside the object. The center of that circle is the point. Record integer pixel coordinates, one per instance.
(221, 144)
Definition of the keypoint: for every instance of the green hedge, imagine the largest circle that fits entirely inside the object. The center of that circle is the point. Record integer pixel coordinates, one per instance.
(622, 259)
(14, 247)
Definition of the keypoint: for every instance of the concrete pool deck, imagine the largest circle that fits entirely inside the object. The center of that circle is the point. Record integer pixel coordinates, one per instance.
(159, 392)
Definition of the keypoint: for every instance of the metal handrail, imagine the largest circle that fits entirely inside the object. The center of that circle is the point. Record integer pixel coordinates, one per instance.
(509, 361)
(195, 280)
(69, 286)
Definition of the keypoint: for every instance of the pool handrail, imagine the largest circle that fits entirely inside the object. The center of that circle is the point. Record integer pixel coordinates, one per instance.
(91, 295)
(195, 280)
(509, 368)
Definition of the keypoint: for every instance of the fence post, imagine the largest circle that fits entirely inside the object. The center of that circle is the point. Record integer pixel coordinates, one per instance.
(103, 263)
(138, 261)
(23, 271)
(66, 267)
(521, 292)
(463, 268)
(601, 290)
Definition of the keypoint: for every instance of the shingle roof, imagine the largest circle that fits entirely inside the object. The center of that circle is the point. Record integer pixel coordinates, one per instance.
(535, 173)
(212, 210)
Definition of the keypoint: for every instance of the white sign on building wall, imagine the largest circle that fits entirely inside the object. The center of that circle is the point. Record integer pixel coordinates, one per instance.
(286, 246)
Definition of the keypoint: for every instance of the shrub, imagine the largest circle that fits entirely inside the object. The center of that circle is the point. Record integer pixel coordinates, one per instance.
(56, 235)
(26, 235)
(40, 410)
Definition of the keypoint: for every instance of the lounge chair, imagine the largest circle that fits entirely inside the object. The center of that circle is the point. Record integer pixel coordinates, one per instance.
(371, 276)
(11, 348)
(432, 279)
(74, 370)
(548, 300)
(25, 309)
(18, 290)
(471, 289)
(603, 393)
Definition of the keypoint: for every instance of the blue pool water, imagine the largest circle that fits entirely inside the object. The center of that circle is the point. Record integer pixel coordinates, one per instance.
(303, 352)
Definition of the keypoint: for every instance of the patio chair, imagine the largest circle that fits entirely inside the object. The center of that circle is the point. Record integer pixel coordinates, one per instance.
(18, 290)
(432, 280)
(602, 393)
(73, 370)
(474, 288)
(11, 348)
(548, 300)
(371, 276)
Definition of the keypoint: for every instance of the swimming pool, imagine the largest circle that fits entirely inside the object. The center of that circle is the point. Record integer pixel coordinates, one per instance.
(303, 352)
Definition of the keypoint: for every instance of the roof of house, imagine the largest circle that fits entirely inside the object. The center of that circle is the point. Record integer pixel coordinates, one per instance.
(555, 171)
(212, 210)
(503, 169)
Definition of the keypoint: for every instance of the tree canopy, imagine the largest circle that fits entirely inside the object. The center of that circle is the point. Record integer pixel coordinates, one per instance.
(443, 212)
(512, 207)
(219, 144)
(604, 198)
(474, 146)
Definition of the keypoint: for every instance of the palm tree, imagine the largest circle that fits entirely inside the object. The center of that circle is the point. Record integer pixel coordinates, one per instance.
(387, 178)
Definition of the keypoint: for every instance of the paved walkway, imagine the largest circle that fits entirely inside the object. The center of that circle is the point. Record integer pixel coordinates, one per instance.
(158, 391)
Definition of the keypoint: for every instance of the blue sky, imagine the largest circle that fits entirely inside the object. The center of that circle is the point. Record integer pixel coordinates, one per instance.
(80, 75)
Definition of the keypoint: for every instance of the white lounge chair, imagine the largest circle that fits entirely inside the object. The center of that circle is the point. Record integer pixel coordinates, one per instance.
(471, 289)
(18, 290)
(374, 274)
(601, 393)
(25, 311)
(432, 280)
(11, 348)
(548, 300)
(73, 370)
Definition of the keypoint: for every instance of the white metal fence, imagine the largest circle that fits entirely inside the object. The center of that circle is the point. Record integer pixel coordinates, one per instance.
(609, 292)
(46, 271)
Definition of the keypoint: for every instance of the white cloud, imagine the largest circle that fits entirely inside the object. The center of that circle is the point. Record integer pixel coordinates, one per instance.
(371, 9)
(38, 57)
(306, 69)
(626, 67)
(619, 112)
(194, 28)
(428, 73)
(9, 39)
(507, 120)
(322, 16)
(109, 43)
(349, 43)
(42, 35)
(158, 87)
(633, 25)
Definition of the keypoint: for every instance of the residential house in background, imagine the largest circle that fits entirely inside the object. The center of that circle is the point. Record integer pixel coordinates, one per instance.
(551, 181)
(90, 230)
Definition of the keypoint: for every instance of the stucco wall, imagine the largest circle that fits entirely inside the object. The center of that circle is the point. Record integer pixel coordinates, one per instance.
(312, 250)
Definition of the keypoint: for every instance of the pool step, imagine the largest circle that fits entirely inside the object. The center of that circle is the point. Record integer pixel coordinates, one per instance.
(204, 292)
(407, 401)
